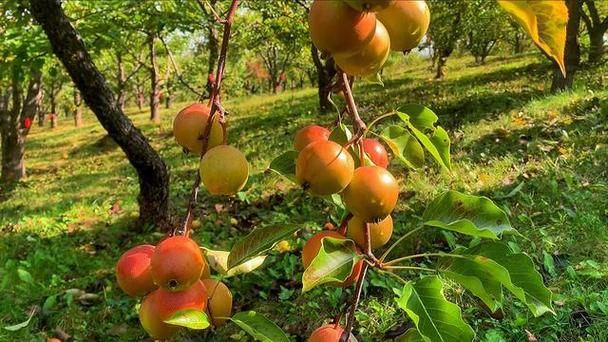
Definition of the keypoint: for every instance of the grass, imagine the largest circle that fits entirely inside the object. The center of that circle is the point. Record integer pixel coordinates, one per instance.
(543, 158)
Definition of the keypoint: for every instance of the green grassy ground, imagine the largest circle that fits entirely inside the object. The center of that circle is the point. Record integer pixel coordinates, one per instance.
(543, 158)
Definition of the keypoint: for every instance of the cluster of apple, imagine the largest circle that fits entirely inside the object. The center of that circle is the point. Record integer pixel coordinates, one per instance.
(172, 277)
(223, 168)
(369, 193)
(359, 34)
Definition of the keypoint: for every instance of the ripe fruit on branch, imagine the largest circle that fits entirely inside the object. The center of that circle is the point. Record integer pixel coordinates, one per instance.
(308, 135)
(406, 22)
(372, 194)
(370, 59)
(376, 152)
(324, 167)
(224, 170)
(327, 333)
(335, 27)
(189, 126)
(161, 304)
(312, 247)
(177, 263)
(379, 233)
(133, 271)
(220, 301)
(369, 5)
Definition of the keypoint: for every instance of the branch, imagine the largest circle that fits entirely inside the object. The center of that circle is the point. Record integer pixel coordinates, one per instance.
(216, 107)
(178, 73)
(352, 111)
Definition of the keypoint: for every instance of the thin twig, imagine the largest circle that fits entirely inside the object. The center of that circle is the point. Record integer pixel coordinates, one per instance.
(360, 126)
(177, 72)
(216, 106)
(398, 242)
(415, 256)
(353, 307)
(409, 268)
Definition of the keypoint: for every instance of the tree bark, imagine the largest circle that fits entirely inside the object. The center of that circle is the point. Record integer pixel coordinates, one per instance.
(596, 48)
(12, 129)
(154, 81)
(77, 108)
(70, 49)
(442, 59)
(325, 73)
(572, 55)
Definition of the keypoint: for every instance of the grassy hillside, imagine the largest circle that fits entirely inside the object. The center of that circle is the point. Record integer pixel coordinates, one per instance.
(543, 158)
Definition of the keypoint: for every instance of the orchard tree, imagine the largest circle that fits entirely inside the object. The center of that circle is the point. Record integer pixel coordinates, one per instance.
(277, 33)
(595, 16)
(69, 47)
(485, 27)
(516, 37)
(22, 58)
(447, 29)
(52, 87)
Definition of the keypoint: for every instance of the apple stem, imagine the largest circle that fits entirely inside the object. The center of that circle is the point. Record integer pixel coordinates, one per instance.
(216, 108)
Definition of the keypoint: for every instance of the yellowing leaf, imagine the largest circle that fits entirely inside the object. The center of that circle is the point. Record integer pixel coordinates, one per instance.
(218, 260)
(545, 22)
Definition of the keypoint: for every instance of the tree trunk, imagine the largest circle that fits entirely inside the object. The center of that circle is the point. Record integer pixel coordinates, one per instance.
(70, 49)
(77, 109)
(154, 81)
(572, 51)
(53, 99)
(325, 73)
(140, 96)
(596, 48)
(442, 60)
(12, 130)
(214, 51)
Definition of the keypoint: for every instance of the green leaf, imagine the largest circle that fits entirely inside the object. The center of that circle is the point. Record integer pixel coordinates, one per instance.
(434, 316)
(189, 318)
(285, 165)
(218, 260)
(259, 241)
(22, 325)
(333, 264)
(439, 144)
(411, 335)
(420, 116)
(467, 214)
(25, 276)
(526, 283)
(49, 303)
(259, 327)
(404, 146)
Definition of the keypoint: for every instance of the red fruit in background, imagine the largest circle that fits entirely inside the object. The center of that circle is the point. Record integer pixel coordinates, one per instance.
(27, 123)
(177, 263)
(133, 271)
(312, 247)
(324, 168)
(372, 194)
(161, 304)
(308, 135)
(335, 27)
(376, 152)
(327, 333)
